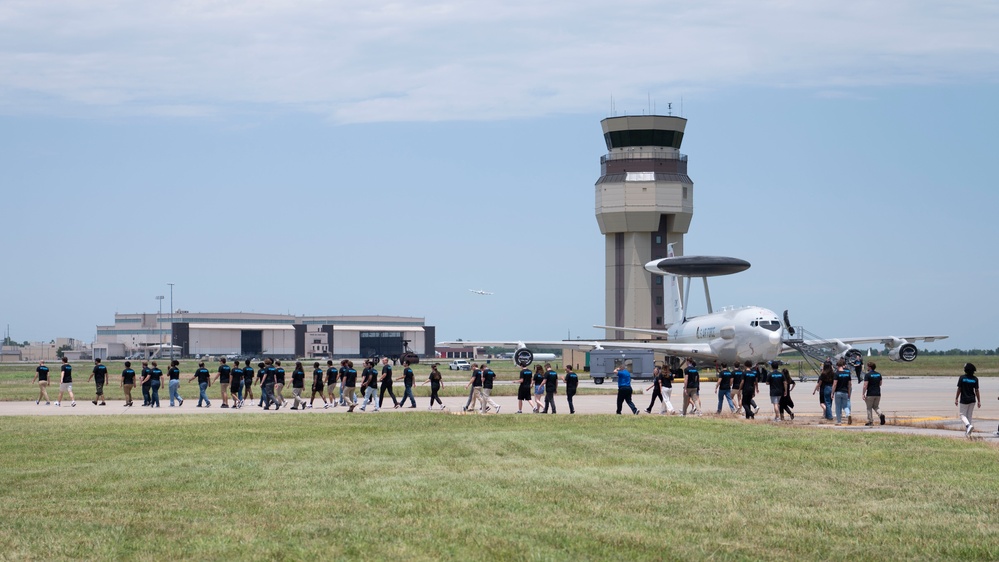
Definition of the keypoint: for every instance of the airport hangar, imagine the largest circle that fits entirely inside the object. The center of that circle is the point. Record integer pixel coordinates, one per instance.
(256, 335)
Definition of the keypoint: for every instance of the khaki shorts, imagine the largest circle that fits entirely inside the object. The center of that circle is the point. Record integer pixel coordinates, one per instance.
(65, 387)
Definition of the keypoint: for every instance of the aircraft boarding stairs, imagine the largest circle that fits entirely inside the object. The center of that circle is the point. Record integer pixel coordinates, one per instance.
(815, 352)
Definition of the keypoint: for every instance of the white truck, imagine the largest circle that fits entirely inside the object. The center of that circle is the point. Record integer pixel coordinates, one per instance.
(459, 365)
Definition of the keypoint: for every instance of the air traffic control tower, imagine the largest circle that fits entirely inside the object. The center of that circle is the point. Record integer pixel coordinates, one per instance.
(644, 201)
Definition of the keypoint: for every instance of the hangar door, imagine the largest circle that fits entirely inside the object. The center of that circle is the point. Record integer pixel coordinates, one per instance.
(251, 342)
(381, 343)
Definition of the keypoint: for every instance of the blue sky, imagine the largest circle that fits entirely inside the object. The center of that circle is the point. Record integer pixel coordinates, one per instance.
(384, 157)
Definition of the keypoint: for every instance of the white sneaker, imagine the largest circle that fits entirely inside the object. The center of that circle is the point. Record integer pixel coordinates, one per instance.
(970, 428)
(498, 409)
(73, 404)
(57, 403)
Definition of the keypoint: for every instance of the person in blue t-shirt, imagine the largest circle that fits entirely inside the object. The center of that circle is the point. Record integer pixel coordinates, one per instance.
(624, 389)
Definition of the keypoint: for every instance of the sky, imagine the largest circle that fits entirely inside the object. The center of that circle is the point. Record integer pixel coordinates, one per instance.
(375, 157)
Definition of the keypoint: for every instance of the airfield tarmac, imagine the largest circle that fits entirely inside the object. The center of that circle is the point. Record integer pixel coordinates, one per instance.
(919, 405)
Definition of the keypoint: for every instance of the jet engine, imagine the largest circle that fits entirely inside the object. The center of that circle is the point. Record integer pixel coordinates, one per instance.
(905, 352)
(523, 357)
(851, 354)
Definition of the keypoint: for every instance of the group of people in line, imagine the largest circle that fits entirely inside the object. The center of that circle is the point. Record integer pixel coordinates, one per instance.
(736, 387)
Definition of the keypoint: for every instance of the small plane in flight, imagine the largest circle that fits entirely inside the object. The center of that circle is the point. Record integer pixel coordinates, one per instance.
(479, 292)
(731, 335)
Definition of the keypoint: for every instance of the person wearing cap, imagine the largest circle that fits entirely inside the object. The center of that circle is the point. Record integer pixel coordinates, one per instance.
(967, 396)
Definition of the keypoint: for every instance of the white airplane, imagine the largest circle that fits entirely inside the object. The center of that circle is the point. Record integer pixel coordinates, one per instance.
(731, 335)
(479, 292)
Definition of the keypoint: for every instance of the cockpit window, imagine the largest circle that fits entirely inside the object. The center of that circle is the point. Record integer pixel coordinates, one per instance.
(771, 325)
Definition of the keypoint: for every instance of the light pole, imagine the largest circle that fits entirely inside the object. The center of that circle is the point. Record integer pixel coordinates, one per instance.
(171, 320)
(159, 329)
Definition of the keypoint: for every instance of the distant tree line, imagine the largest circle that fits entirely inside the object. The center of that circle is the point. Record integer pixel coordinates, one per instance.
(956, 351)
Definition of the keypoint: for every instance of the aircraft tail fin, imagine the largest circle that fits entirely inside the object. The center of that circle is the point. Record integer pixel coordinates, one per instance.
(673, 313)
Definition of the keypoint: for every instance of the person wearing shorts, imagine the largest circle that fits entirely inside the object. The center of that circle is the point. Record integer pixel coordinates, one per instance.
(100, 376)
(524, 390)
(737, 375)
(967, 395)
(204, 381)
(539, 387)
(349, 377)
(223, 376)
(317, 385)
(128, 382)
(333, 381)
(777, 390)
(236, 386)
(691, 388)
(66, 382)
(871, 394)
(247, 383)
(42, 376)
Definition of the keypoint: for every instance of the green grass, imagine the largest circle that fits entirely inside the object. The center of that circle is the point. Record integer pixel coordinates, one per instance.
(434, 486)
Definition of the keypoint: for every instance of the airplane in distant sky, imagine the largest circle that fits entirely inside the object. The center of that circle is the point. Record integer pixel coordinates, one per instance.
(480, 292)
(736, 334)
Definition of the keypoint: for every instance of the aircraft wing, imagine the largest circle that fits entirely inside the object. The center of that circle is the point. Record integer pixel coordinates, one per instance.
(635, 330)
(890, 341)
(700, 351)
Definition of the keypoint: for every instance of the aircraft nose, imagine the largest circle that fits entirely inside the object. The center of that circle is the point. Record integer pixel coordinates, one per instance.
(775, 338)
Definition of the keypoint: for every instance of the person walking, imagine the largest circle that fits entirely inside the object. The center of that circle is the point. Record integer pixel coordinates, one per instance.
(624, 389)
(173, 374)
(127, 382)
(279, 383)
(723, 388)
(858, 367)
(551, 387)
(318, 386)
(153, 379)
(268, 379)
(539, 387)
(348, 381)
(145, 384)
(777, 389)
(786, 404)
(737, 376)
(261, 371)
(386, 384)
(332, 381)
(369, 385)
(843, 387)
(488, 376)
(967, 396)
(66, 382)
(236, 385)
(408, 380)
(100, 376)
(524, 390)
(436, 381)
(42, 376)
(204, 381)
(222, 377)
(247, 383)
(298, 386)
(750, 387)
(475, 382)
(871, 393)
(656, 387)
(571, 380)
(824, 386)
(691, 388)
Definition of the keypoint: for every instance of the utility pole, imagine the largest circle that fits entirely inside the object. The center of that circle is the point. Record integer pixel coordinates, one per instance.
(171, 320)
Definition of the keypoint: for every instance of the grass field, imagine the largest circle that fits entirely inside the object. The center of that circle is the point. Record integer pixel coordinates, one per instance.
(435, 486)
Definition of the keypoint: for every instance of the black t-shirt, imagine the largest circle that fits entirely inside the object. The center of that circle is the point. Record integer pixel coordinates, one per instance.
(237, 374)
(749, 382)
(572, 381)
(368, 377)
(331, 375)
(128, 376)
(487, 378)
(551, 381)
(693, 377)
(145, 373)
(100, 373)
(43, 373)
(203, 375)
(174, 374)
(737, 376)
(776, 381)
(267, 375)
(873, 380)
(67, 372)
(843, 379)
(154, 374)
(248, 373)
(224, 371)
(725, 380)
(476, 378)
(386, 375)
(525, 377)
(407, 377)
(278, 375)
(435, 379)
(349, 378)
(317, 376)
(539, 377)
(298, 379)
(968, 384)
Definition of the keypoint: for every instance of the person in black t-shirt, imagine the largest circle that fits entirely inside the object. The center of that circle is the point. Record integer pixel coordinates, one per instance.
(571, 380)
(173, 373)
(967, 396)
(723, 388)
(475, 382)
(750, 386)
(842, 389)
(145, 384)
(408, 380)
(488, 376)
(222, 376)
(66, 382)
(127, 382)
(871, 393)
(551, 387)
(153, 378)
(278, 384)
(268, 376)
(204, 377)
(298, 385)
(656, 387)
(236, 385)
(691, 388)
(369, 383)
(824, 386)
(386, 384)
(436, 381)
(318, 386)
(539, 387)
(333, 380)
(786, 404)
(777, 390)
(524, 389)
(349, 377)
(737, 375)
(42, 376)
(247, 383)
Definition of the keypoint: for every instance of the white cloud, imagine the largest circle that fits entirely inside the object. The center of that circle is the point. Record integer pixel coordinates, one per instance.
(381, 61)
